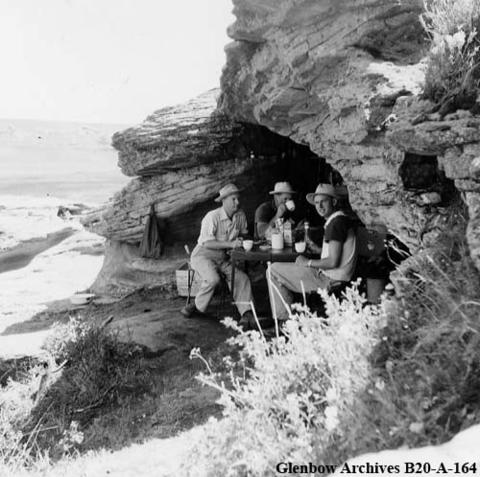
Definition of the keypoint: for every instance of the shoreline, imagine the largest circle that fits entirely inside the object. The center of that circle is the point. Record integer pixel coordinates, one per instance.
(24, 252)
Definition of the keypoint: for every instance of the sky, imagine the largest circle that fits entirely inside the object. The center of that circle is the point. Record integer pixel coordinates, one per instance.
(108, 61)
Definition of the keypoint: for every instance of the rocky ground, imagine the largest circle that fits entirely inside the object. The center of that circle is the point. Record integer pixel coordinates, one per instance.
(175, 401)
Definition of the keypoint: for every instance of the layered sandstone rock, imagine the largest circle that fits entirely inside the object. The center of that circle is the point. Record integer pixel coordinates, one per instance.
(455, 141)
(333, 75)
(335, 80)
(180, 157)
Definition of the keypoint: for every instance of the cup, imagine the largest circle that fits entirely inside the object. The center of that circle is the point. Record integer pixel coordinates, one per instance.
(247, 245)
(290, 205)
(300, 247)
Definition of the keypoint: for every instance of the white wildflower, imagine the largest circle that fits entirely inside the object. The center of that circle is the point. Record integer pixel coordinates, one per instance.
(331, 417)
(416, 427)
(331, 394)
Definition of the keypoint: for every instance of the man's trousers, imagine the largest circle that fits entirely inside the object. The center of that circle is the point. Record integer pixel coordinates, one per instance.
(211, 271)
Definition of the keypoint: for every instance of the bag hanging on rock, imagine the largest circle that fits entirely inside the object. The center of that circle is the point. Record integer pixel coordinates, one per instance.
(151, 245)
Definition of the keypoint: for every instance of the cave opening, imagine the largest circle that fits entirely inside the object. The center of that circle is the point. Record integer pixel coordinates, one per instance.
(272, 158)
(421, 174)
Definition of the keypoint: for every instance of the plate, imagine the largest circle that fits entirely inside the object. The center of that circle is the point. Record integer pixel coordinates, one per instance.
(81, 298)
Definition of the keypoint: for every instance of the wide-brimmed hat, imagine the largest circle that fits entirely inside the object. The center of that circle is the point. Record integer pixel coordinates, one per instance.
(341, 190)
(322, 189)
(282, 188)
(225, 191)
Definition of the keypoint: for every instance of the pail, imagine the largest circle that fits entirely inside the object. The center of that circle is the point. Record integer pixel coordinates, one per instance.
(375, 287)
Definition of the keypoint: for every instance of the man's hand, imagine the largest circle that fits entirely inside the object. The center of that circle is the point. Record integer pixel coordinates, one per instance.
(236, 243)
(282, 208)
(312, 246)
(302, 261)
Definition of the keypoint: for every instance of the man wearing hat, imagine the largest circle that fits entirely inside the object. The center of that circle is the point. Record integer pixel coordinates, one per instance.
(336, 263)
(221, 230)
(281, 207)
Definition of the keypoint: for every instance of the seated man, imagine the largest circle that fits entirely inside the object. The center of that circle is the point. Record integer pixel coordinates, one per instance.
(221, 230)
(338, 255)
(267, 213)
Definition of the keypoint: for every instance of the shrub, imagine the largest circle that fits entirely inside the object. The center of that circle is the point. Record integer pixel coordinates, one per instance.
(452, 75)
(362, 380)
(16, 403)
(99, 372)
(425, 373)
(292, 393)
(88, 373)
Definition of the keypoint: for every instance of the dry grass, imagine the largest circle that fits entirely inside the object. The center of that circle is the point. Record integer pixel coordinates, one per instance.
(425, 379)
(452, 75)
(107, 395)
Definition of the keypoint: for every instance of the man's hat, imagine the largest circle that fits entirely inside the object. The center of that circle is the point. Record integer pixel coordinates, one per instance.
(227, 190)
(322, 189)
(341, 190)
(282, 188)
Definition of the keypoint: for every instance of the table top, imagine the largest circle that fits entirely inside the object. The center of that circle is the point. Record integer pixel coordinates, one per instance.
(287, 254)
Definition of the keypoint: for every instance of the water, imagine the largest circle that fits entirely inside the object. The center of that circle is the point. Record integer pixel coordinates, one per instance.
(34, 182)
(43, 166)
(76, 175)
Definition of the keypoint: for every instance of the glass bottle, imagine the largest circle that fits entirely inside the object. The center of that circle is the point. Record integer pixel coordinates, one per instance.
(306, 227)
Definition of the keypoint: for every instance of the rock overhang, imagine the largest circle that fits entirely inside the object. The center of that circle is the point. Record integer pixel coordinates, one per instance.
(340, 78)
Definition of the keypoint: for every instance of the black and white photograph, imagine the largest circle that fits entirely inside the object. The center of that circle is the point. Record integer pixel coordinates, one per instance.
(239, 238)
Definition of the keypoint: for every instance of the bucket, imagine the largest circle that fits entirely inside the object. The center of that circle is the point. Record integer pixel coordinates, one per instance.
(375, 287)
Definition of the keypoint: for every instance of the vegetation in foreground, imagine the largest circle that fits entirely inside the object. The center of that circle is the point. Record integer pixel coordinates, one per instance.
(364, 379)
(95, 392)
(453, 69)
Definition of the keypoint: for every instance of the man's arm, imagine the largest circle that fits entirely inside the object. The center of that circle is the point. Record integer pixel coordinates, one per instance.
(335, 249)
(211, 242)
(336, 234)
(264, 226)
(222, 244)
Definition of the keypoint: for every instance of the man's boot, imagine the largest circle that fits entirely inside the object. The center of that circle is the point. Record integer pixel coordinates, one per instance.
(191, 311)
(247, 321)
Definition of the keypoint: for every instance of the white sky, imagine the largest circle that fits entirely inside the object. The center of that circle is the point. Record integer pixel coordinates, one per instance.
(112, 61)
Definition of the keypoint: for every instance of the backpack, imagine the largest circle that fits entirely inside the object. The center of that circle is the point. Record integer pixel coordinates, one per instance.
(370, 242)
(151, 245)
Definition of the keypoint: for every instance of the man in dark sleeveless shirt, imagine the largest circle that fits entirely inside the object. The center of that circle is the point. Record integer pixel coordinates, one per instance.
(338, 255)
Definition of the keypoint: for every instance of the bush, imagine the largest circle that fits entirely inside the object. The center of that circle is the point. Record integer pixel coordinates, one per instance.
(99, 372)
(452, 75)
(425, 379)
(46, 414)
(293, 394)
(16, 403)
(364, 379)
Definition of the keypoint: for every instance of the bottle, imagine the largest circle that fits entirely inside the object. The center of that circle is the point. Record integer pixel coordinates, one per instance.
(306, 227)
(287, 233)
(277, 236)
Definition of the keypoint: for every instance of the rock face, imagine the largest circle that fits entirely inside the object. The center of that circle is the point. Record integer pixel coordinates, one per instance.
(337, 76)
(308, 86)
(328, 74)
(181, 156)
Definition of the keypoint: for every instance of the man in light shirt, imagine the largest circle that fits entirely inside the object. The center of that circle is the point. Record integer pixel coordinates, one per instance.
(222, 230)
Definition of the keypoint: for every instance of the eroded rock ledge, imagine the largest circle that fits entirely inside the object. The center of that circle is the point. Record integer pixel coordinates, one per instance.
(181, 156)
(334, 80)
(337, 76)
